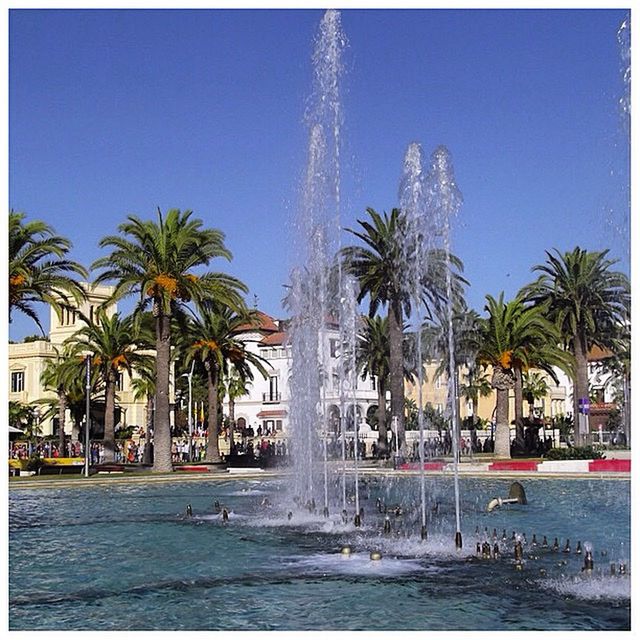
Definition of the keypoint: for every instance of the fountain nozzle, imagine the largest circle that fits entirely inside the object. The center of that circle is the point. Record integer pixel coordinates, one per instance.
(458, 540)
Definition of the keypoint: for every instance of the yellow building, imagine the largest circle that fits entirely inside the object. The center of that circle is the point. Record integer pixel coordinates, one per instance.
(27, 361)
(434, 392)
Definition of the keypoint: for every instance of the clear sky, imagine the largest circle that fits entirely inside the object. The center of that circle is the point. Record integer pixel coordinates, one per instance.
(120, 111)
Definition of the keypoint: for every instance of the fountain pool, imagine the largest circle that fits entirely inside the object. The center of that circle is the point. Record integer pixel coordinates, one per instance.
(117, 557)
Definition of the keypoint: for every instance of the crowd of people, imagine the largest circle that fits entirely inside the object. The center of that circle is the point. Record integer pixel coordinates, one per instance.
(263, 449)
(19, 450)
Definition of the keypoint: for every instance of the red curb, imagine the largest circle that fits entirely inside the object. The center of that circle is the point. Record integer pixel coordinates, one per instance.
(428, 466)
(515, 465)
(198, 469)
(610, 465)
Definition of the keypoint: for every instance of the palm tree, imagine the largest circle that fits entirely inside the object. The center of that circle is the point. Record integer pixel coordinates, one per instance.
(215, 343)
(63, 373)
(509, 336)
(380, 267)
(619, 366)
(26, 418)
(475, 385)
(115, 346)
(238, 383)
(534, 387)
(373, 360)
(156, 261)
(144, 387)
(589, 302)
(39, 270)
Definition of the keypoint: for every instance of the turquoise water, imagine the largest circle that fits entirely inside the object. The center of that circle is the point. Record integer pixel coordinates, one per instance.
(126, 557)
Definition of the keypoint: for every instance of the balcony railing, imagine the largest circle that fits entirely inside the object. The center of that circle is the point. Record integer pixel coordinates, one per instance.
(270, 398)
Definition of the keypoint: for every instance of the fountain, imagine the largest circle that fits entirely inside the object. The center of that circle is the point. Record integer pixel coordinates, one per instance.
(154, 565)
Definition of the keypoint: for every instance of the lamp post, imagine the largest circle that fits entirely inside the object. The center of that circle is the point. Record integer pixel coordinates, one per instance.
(189, 376)
(87, 412)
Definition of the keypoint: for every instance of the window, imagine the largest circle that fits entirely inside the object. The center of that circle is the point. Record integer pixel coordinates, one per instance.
(273, 388)
(334, 351)
(278, 425)
(17, 381)
(119, 382)
(373, 383)
(438, 382)
(68, 317)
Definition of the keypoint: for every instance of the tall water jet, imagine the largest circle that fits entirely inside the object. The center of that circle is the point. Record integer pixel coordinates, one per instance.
(312, 298)
(444, 201)
(624, 45)
(349, 320)
(416, 234)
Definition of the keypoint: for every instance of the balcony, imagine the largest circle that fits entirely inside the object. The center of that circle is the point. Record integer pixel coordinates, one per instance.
(270, 398)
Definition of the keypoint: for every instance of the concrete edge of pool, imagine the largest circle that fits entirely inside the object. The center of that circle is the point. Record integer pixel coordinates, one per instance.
(32, 482)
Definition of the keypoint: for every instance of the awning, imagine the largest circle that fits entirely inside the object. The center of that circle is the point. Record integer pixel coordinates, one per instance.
(277, 413)
(14, 430)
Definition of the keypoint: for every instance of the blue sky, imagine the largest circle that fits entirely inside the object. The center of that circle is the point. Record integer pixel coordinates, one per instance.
(119, 111)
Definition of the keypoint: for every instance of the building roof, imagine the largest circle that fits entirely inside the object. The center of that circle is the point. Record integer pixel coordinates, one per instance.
(275, 339)
(265, 323)
(275, 413)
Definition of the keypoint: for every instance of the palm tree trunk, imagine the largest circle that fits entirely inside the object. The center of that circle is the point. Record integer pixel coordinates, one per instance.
(581, 386)
(502, 445)
(396, 369)
(502, 380)
(162, 427)
(146, 455)
(109, 440)
(518, 408)
(382, 417)
(213, 450)
(474, 408)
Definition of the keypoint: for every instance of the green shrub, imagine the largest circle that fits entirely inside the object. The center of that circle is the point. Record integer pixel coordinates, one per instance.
(34, 463)
(574, 453)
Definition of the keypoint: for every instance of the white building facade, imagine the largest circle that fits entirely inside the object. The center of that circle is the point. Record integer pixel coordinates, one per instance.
(267, 405)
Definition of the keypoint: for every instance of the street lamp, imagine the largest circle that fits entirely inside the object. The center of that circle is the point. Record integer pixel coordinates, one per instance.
(189, 376)
(88, 411)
